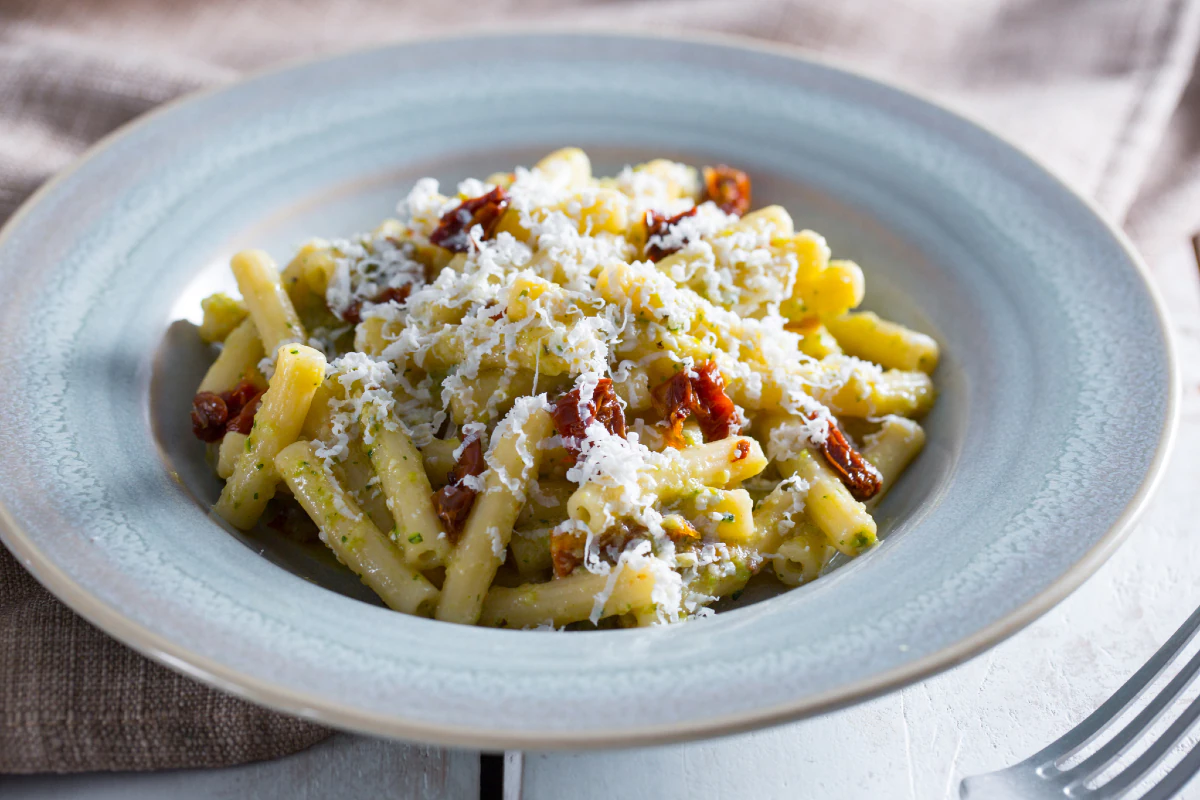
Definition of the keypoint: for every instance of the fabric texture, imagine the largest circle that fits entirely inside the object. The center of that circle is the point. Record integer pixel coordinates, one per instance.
(1092, 87)
(72, 699)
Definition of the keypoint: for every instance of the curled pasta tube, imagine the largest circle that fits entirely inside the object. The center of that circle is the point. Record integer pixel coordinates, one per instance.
(351, 535)
(269, 304)
(888, 344)
(823, 287)
(401, 471)
(854, 389)
(354, 470)
(801, 558)
(531, 551)
(844, 520)
(775, 517)
(715, 464)
(891, 449)
(222, 314)
(238, 360)
(484, 542)
(568, 167)
(232, 446)
(566, 600)
(299, 370)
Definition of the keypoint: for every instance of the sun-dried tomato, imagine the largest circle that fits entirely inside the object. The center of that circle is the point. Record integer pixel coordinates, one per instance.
(716, 413)
(702, 395)
(607, 408)
(567, 547)
(566, 551)
(858, 474)
(470, 462)
(352, 313)
(804, 327)
(682, 531)
(660, 225)
(570, 420)
(453, 505)
(454, 228)
(214, 415)
(393, 294)
(244, 421)
(453, 501)
(571, 417)
(729, 188)
(673, 399)
(237, 398)
(743, 450)
(209, 414)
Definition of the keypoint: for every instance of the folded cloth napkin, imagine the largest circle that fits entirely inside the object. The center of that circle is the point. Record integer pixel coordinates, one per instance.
(73, 699)
(1088, 85)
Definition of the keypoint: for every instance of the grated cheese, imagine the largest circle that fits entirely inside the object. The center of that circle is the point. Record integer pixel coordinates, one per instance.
(557, 294)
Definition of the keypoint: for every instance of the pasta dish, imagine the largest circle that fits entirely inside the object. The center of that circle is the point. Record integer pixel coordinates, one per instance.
(550, 399)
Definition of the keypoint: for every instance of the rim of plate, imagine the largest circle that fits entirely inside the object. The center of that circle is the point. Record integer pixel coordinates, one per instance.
(326, 711)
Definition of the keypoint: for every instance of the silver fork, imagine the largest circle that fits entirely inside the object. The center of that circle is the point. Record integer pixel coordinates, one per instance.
(1040, 775)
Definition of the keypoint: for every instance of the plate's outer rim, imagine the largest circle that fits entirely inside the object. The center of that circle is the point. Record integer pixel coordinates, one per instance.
(322, 710)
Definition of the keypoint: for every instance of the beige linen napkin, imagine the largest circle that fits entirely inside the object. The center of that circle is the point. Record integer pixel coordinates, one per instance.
(1088, 85)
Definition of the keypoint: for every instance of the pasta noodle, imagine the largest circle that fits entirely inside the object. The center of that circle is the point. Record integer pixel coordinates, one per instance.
(512, 466)
(269, 304)
(238, 360)
(351, 534)
(551, 398)
(402, 475)
(299, 371)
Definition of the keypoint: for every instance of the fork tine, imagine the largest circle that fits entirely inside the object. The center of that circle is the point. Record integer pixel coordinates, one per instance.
(1082, 733)
(1177, 778)
(1121, 742)
(1159, 750)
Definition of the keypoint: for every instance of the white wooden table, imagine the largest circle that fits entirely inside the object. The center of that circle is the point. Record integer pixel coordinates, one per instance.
(917, 743)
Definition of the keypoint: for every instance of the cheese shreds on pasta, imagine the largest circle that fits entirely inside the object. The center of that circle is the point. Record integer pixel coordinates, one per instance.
(552, 399)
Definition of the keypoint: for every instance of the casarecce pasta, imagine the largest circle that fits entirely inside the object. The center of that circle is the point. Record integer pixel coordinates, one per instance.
(555, 399)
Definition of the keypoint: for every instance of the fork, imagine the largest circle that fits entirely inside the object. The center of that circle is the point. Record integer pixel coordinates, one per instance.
(1041, 776)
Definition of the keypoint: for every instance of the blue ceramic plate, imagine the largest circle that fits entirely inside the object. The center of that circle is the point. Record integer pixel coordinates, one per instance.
(1058, 388)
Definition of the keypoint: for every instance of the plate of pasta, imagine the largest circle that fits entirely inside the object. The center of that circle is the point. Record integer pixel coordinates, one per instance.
(493, 410)
(553, 399)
